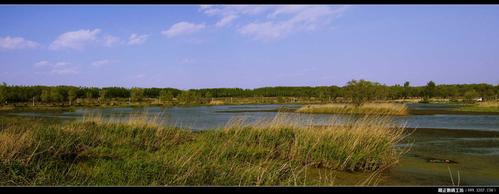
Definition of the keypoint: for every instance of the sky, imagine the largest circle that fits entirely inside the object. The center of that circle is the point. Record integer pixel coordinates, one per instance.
(247, 46)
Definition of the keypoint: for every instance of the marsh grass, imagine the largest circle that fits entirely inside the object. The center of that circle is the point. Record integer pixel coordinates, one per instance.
(494, 104)
(142, 150)
(488, 106)
(368, 109)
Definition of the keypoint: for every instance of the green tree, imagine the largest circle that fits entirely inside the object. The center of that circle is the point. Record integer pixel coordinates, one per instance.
(360, 91)
(89, 95)
(430, 89)
(333, 92)
(453, 93)
(185, 97)
(470, 95)
(381, 92)
(165, 95)
(322, 92)
(136, 94)
(208, 95)
(71, 95)
(3, 93)
(56, 95)
(407, 88)
(45, 96)
(103, 94)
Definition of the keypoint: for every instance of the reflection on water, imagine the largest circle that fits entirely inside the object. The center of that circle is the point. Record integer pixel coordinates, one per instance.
(206, 117)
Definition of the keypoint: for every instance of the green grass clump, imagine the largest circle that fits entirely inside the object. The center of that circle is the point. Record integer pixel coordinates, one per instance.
(143, 151)
(368, 108)
(492, 106)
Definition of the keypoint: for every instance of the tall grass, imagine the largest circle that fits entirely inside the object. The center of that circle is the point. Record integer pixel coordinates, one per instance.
(144, 151)
(368, 108)
(488, 106)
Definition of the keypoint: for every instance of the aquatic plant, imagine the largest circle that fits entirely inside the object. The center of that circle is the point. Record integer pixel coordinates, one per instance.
(367, 108)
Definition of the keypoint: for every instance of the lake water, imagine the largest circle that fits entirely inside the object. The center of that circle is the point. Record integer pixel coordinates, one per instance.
(476, 156)
(208, 117)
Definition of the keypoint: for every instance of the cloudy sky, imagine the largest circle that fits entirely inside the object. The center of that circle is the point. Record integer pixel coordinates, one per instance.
(200, 46)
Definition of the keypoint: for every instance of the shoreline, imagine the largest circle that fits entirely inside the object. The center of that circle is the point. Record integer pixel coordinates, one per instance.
(450, 111)
(475, 132)
(416, 131)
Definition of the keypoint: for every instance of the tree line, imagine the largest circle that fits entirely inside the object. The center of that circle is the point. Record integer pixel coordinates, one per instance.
(358, 91)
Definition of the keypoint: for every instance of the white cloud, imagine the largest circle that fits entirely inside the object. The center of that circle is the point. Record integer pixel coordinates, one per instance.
(230, 13)
(41, 64)
(205, 6)
(110, 41)
(80, 39)
(75, 39)
(226, 20)
(234, 9)
(49, 64)
(60, 64)
(288, 9)
(59, 68)
(140, 76)
(187, 61)
(305, 18)
(64, 71)
(16, 43)
(182, 28)
(136, 39)
(102, 62)
(265, 31)
(277, 21)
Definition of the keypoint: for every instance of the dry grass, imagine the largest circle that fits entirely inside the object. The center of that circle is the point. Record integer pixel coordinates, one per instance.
(217, 102)
(6, 108)
(368, 108)
(141, 150)
(358, 144)
(14, 142)
(488, 104)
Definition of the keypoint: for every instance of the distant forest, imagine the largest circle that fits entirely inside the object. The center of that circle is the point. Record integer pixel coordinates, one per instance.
(367, 90)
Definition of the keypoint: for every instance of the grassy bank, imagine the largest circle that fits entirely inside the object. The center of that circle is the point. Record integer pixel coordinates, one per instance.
(491, 106)
(368, 108)
(120, 102)
(141, 151)
(36, 108)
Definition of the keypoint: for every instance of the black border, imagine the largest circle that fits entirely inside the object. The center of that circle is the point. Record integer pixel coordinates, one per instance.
(235, 189)
(232, 190)
(252, 2)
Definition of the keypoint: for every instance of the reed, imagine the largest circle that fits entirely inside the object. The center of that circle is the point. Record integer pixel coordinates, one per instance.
(488, 106)
(368, 108)
(142, 150)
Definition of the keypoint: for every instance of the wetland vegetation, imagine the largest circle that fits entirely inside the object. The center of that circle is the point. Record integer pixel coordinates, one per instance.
(367, 108)
(141, 151)
(366, 147)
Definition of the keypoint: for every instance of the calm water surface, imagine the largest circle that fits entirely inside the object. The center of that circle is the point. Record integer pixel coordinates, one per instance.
(208, 117)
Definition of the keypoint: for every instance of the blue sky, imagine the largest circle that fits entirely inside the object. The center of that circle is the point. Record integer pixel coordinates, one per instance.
(197, 46)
